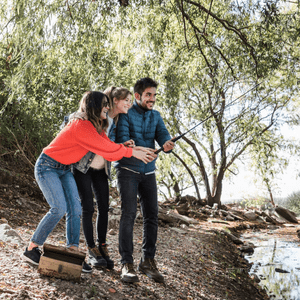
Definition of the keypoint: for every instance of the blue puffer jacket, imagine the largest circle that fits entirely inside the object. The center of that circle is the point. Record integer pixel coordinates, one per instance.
(144, 127)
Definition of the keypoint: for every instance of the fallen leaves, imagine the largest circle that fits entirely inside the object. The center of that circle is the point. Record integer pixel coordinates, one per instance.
(111, 290)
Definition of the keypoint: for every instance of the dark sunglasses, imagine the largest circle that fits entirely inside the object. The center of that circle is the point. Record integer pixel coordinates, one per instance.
(106, 103)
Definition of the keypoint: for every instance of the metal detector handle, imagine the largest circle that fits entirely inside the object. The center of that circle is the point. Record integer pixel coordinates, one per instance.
(173, 140)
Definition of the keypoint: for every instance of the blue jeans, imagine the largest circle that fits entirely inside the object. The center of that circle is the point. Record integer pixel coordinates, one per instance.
(59, 188)
(130, 185)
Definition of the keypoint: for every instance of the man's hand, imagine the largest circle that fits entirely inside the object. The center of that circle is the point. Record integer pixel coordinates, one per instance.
(168, 145)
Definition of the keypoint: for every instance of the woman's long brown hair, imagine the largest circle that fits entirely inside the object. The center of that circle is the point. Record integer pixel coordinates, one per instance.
(92, 104)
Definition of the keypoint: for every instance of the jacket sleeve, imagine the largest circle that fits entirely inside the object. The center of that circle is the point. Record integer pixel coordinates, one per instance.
(112, 132)
(122, 132)
(87, 136)
(161, 133)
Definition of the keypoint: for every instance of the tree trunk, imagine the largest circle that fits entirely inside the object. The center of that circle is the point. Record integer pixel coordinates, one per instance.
(201, 167)
(191, 174)
(176, 185)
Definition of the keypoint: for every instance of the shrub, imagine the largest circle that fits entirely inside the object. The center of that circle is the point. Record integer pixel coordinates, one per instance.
(293, 202)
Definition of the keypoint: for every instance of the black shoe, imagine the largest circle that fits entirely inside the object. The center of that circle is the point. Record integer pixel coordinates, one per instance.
(96, 259)
(86, 268)
(148, 267)
(128, 273)
(33, 256)
(104, 251)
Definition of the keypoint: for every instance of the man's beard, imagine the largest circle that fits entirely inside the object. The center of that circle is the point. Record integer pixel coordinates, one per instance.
(144, 106)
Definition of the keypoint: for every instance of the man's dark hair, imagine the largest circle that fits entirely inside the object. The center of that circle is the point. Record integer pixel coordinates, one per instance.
(144, 83)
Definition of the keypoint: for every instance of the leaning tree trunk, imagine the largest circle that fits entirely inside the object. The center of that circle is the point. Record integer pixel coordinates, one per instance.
(191, 174)
(201, 167)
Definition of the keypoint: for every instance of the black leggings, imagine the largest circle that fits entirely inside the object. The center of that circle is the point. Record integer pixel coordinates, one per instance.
(94, 182)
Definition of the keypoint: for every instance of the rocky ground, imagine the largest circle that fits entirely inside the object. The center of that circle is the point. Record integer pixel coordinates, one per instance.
(198, 261)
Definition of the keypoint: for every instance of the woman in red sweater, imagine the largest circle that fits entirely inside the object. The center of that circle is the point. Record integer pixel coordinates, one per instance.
(91, 174)
(53, 174)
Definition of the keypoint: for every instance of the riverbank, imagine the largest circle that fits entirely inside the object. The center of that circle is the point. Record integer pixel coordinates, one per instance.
(197, 261)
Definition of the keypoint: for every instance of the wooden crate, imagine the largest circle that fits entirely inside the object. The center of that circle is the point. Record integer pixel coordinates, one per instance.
(61, 262)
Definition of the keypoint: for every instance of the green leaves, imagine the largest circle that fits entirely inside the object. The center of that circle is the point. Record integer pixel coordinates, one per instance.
(202, 55)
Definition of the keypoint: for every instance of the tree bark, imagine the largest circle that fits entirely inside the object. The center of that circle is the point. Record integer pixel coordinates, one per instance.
(191, 174)
(201, 167)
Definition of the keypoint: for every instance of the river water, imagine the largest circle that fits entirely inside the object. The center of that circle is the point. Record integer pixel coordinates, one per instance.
(276, 262)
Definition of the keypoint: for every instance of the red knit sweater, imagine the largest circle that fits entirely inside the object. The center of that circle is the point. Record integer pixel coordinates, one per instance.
(78, 138)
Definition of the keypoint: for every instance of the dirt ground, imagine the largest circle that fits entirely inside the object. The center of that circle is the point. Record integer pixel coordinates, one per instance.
(198, 262)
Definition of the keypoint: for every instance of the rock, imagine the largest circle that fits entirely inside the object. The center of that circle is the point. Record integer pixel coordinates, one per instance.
(286, 214)
(260, 219)
(250, 215)
(234, 239)
(183, 209)
(116, 211)
(3, 221)
(224, 212)
(178, 230)
(114, 203)
(184, 226)
(229, 218)
(7, 234)
(247, 248)
(198, 215)
(236, 212)
(215, 206)
(269, 218)
(112, 232)
(255, 278)
(190, 200)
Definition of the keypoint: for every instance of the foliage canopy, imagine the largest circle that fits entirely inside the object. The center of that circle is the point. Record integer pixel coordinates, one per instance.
(204, 55)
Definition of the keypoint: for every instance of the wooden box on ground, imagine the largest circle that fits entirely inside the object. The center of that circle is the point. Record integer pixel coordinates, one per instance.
(61, 262)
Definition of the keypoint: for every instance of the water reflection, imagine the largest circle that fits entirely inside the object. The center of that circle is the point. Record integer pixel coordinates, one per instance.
(277, 264)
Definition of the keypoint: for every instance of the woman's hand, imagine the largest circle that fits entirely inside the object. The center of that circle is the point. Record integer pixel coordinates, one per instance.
(144, 154)
(130, 144)
(150, 151)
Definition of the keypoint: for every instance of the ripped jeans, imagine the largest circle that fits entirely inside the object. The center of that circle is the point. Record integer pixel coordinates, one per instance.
(60, 191)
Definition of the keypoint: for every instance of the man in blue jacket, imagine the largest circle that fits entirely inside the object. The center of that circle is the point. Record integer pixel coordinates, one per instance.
(145, 126)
